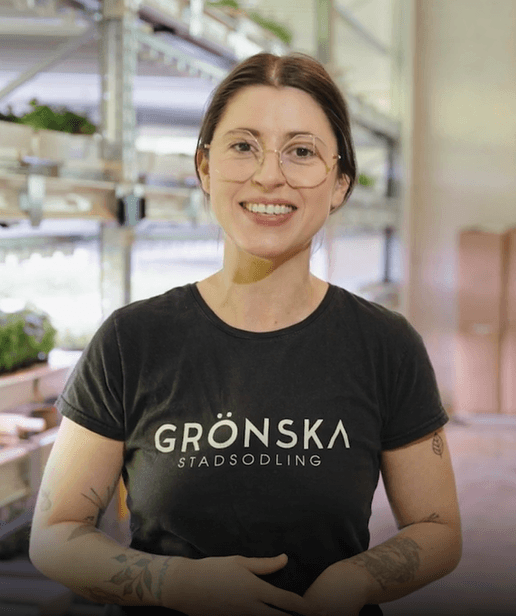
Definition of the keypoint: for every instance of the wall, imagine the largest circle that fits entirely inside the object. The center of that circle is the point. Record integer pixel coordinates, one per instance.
(462, 155)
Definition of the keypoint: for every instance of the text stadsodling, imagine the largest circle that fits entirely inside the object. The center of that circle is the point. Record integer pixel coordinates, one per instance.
(249, 459)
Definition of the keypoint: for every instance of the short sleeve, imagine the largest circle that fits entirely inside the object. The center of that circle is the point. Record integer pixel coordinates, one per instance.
(93, 395)
(415, 406)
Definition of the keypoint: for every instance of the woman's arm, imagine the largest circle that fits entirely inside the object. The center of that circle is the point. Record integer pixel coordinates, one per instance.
(80, 478)
(420, 486)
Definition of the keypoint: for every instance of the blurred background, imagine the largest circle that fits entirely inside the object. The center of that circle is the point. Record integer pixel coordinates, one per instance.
(100, 105)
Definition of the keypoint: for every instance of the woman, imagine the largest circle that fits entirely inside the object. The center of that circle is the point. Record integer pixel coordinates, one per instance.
(250, 414)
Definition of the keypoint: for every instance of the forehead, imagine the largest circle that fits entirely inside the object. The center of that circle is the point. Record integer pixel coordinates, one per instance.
(275, 111)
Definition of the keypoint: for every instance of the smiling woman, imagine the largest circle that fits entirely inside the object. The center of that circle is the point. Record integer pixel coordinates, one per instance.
(271, 185)
(294, 71)
(251, 413)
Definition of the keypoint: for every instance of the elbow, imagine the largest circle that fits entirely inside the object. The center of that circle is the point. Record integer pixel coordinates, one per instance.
(40, 550)
(457, 551)
(453, 553)
(35, 549)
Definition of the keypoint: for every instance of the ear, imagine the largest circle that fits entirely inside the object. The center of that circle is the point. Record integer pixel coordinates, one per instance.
(339, 192)
(203, 166)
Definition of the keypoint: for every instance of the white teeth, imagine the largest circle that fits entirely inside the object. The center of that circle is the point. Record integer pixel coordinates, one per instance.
(262, 208)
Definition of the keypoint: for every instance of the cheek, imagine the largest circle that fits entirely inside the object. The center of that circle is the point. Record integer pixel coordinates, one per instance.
(222, 197)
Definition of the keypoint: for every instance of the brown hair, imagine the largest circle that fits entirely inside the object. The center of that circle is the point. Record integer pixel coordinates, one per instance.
(296, 70)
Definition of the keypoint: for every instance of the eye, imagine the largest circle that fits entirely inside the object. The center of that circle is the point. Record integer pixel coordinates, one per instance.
(242, 147)
(301, 151)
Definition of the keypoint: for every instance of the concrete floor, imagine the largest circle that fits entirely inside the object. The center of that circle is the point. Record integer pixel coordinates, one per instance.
(484, 584)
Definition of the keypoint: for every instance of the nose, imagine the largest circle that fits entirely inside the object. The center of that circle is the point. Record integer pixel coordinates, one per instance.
(269, 173)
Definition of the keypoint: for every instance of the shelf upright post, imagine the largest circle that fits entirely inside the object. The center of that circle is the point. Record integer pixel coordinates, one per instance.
(118, 65)
(119, 59)
(324, 52)
(324, 32)
(196, 17)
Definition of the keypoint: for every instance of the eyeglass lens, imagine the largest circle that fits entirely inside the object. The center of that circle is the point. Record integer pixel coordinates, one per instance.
(302, 159)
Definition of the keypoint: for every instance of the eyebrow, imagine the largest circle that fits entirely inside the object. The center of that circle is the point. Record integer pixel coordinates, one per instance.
(256, 133)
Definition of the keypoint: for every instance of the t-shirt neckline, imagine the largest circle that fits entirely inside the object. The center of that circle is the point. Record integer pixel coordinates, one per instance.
(242, 333)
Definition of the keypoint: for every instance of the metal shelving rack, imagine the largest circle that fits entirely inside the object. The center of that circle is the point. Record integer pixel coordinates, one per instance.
(127, 30)
(366, 211)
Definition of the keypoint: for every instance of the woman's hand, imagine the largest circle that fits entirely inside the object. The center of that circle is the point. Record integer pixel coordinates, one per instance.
(230, 586)
(340, 590)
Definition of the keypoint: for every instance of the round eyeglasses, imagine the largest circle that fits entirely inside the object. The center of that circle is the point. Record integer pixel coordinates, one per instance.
(238, 155)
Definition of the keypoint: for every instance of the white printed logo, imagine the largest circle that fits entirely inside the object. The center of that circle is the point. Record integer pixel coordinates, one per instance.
(225, 432)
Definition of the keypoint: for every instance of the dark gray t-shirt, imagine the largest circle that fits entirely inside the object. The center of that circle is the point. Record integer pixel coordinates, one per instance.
(254, 443)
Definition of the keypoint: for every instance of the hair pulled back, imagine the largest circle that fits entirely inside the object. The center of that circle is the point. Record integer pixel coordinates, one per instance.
(295, 70)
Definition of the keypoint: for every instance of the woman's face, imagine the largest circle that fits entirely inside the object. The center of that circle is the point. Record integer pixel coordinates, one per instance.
(272, 116)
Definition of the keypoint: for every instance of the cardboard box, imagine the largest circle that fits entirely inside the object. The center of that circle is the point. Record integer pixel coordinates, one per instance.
(508, 372)
(477, 374)
(486, 341)
(481, 281)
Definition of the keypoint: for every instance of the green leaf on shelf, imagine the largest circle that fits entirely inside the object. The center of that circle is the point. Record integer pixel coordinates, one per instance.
(45, 117)
(230, 4)
(366, 180)
(282, 32)
(26, 337)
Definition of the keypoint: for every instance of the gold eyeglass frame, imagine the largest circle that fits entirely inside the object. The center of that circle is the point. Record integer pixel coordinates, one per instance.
(335, 158)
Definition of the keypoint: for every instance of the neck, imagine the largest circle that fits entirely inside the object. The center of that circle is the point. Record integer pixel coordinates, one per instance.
(258, 294)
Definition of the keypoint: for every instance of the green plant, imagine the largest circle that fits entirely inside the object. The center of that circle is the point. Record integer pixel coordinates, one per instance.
(64, 120)
(26, 337)
(366, 180)
(220, 4)
(9, 116)
(281, 32)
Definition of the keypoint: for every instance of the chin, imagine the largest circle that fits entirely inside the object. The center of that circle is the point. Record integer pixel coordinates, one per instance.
(279, 254)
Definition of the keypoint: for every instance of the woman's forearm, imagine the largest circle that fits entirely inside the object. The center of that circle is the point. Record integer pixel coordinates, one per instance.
(96, 567)
(417, 555)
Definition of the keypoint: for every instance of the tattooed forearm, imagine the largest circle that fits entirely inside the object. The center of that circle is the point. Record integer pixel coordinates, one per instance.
(438, 445)
(133, 580)
(161, 578)
(133, 574)
(99, 595)
(393, 562)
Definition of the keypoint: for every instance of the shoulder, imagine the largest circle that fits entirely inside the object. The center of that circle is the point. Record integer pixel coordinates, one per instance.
(153, 312)
(373, 321)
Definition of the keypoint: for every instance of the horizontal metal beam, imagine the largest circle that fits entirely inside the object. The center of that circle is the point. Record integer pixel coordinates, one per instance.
(372, 119)
(63, 51)
(359, 28)
(184, 61)
(52, 27)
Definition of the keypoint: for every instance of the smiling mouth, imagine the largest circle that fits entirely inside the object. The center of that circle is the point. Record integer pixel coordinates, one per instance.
(269, 209)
